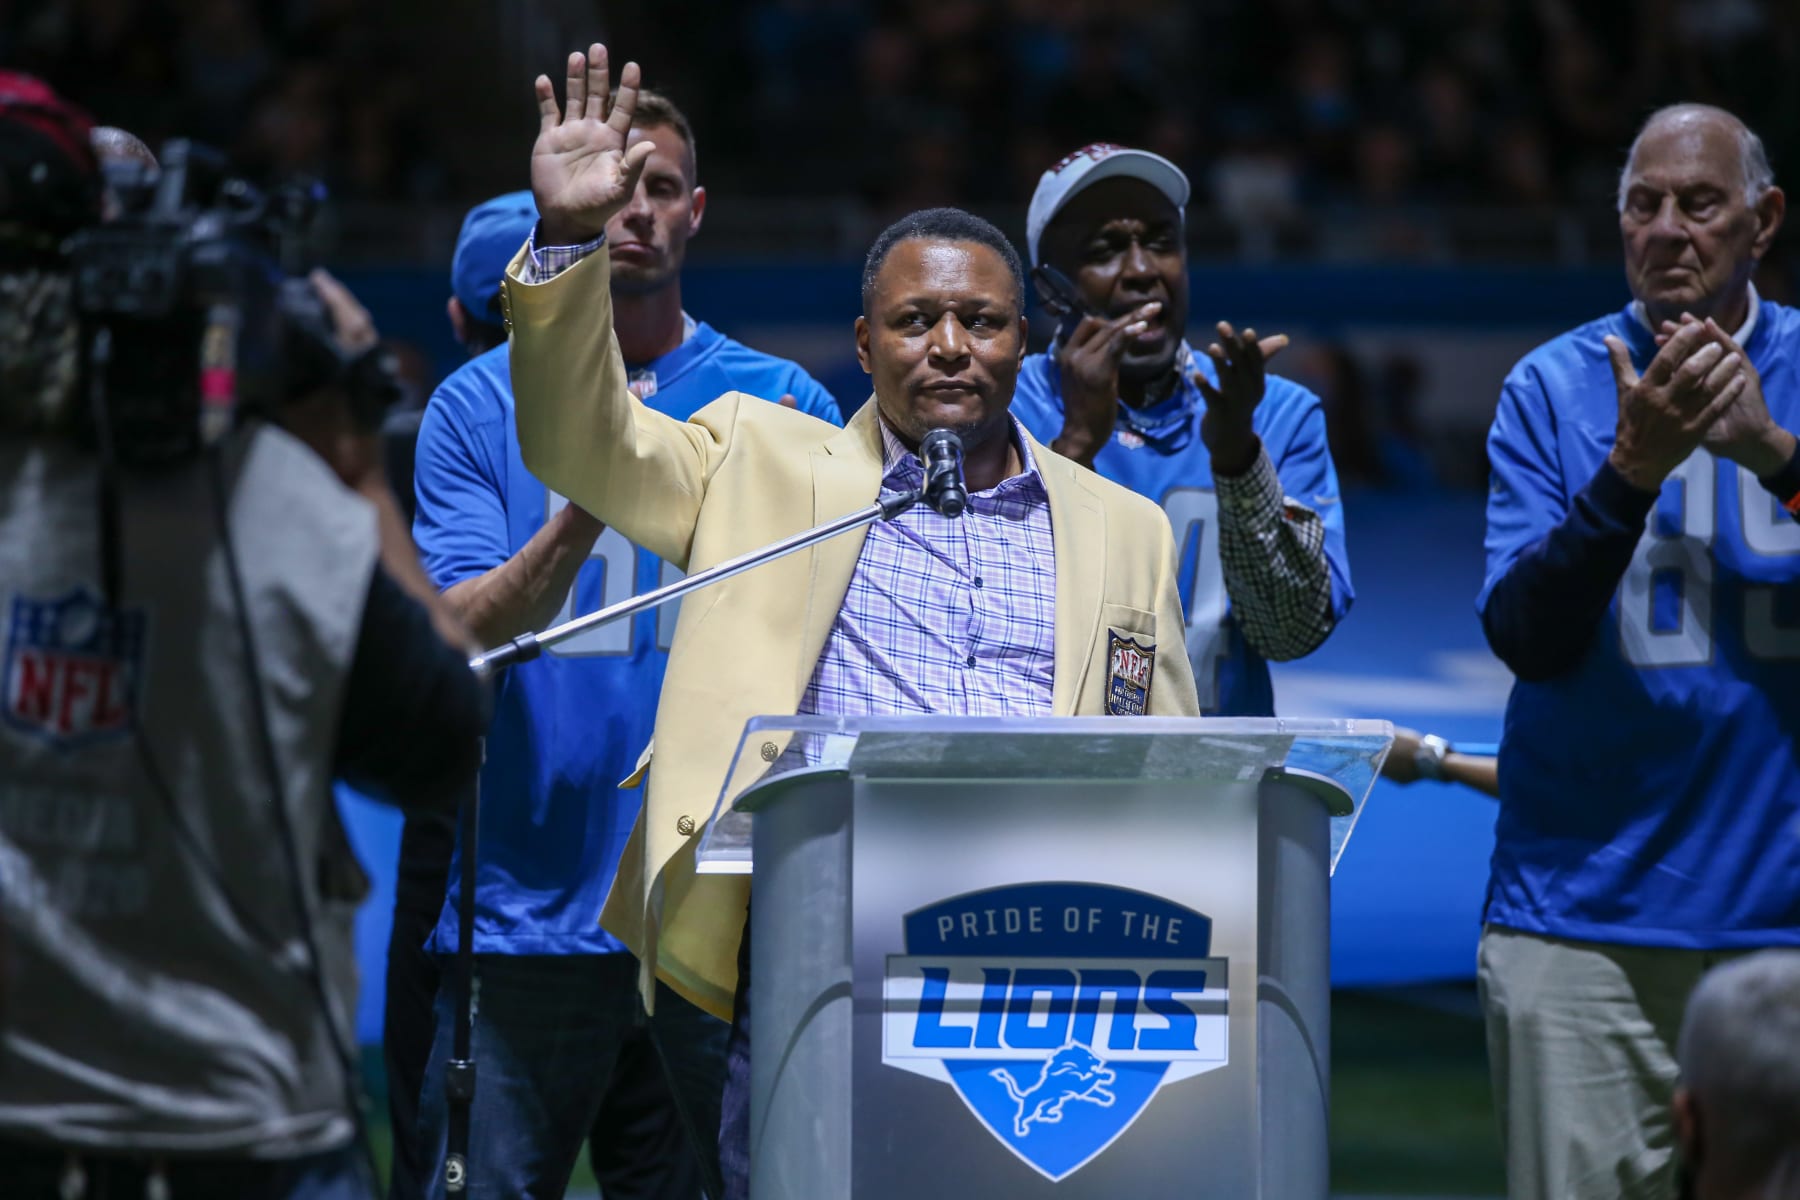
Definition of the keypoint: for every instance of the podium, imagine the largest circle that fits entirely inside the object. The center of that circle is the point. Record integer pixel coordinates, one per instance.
(1062, 957)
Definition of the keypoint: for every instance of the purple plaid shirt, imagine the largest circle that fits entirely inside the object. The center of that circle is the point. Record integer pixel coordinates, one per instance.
(947, 616)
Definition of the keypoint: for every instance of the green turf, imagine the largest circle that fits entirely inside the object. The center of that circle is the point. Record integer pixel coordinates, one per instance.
(1410, 1109)
(1410, 1114)
(381, 1135)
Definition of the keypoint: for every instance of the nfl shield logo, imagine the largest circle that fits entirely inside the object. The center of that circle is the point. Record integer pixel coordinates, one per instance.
(1056, 1010)
(72, 667)
(1129, 664)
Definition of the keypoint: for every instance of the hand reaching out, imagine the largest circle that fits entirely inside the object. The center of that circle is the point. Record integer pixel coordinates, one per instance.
(351, 323)
(1240, 360)
(581, 171)
(323, 420)
(1402, 762)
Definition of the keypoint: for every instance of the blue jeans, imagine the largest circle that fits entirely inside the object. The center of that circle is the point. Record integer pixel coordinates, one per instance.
(31, 1170)
(562, 1057)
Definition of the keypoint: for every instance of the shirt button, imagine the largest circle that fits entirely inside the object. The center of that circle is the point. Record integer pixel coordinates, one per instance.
(970, 662)
(978, 581)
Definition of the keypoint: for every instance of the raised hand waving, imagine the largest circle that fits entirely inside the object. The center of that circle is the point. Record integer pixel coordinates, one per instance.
(581, 171)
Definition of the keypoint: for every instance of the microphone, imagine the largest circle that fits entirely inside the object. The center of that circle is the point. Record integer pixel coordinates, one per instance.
(942, 453)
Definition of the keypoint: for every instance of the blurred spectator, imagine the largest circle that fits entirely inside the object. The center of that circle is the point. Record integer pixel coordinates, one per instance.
(1450, 149)
(1519, 166)
(1369, 416)
(1387, 103)
(1400, 442)
(290, 132)
(1385, 165)
(1324, 107)
(315, 86)
(1102, 100)
(1256, 178)
(225, 58)
(1331, 371)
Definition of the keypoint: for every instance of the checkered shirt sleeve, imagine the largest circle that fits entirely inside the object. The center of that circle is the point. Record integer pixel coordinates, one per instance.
(1272, 549)
(546, 264)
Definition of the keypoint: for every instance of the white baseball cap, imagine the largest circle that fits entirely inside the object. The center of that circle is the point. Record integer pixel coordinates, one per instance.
(1088, 166)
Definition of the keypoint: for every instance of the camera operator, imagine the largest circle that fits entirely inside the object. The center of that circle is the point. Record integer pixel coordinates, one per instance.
(181, 681)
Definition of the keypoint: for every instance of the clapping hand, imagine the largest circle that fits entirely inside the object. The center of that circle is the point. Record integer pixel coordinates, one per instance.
(581, 171)
(1667, 412)
(1240, 360)
(1744, 432)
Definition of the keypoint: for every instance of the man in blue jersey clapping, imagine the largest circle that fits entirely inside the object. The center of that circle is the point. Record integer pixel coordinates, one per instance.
(1236, 457)
(1643, 583)
(563, 1058)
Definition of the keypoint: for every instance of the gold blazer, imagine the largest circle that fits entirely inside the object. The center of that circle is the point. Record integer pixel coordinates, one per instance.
(737, 475)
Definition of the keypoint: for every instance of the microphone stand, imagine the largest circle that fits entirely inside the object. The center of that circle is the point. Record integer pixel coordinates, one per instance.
(943, 490)
(528, 646)
(459, 1070)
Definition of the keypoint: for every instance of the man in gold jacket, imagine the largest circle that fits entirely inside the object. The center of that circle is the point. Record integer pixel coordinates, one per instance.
(1016, 608)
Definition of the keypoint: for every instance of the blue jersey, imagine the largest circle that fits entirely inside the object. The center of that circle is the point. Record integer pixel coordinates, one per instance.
(570, 725)
(1651, 795)
(1158, 454)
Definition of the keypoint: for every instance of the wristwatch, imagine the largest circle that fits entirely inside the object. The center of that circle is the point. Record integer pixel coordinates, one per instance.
(1429, 757)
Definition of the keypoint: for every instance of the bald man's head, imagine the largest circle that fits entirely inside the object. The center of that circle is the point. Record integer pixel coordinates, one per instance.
(1698, 209)
(1737, 1112)
(1704, 121)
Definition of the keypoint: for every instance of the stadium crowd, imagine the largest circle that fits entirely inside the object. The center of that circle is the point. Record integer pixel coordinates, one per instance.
(1272, 109)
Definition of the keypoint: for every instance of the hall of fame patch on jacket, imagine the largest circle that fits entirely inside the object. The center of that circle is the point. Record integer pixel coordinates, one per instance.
(1129, 664)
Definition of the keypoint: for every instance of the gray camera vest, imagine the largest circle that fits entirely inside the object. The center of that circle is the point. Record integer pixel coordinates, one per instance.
(141, 1010)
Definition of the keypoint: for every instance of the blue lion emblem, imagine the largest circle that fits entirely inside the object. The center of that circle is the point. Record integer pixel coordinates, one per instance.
(1056, 1009)
(1072, 1073)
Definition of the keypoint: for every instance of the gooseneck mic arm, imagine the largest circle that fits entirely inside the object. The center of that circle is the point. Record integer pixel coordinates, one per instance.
(943, 491)
(528, 646)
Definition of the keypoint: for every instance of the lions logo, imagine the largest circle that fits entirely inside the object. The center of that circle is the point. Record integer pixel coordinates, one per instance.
(1056, 1010)
(1073, 1073)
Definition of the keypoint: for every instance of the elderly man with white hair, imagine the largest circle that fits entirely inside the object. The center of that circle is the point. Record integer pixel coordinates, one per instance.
(1737, 1112)
(1643, 583)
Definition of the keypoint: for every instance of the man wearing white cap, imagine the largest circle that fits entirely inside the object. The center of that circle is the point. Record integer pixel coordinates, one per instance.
(1236, 458)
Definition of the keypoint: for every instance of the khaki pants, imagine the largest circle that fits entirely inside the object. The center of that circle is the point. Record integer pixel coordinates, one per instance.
(1581, 1047)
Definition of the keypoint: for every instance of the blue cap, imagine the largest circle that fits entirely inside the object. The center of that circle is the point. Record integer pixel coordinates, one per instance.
(491, 234)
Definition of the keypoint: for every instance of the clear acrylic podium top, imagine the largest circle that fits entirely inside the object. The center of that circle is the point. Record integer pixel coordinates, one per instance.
(1337, 759)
